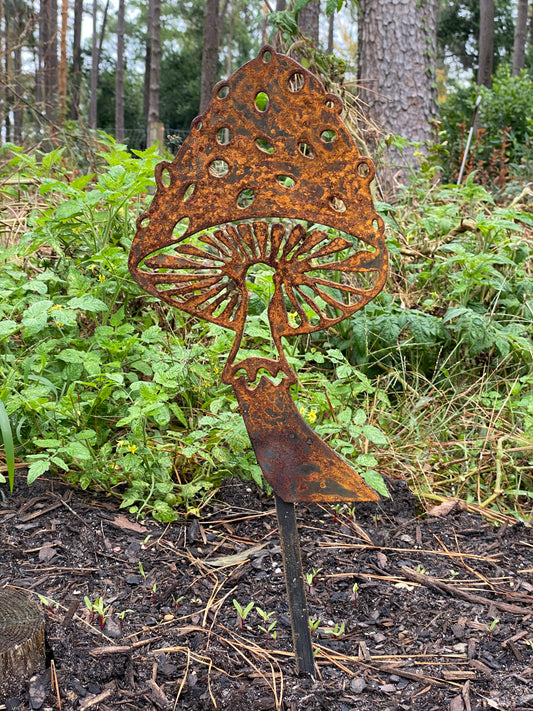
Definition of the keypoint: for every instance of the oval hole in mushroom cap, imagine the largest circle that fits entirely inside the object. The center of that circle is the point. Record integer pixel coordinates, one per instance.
(245, 198)
(296, 82)
(218, 168)
(306, 150)
(264, 145)
(286, 181)
(223, 91)
(337, 204)
(224, 136)
(328, 136)
(267, 56)
(180, 228)
(189, 190)
(363, 169)
(261, 101)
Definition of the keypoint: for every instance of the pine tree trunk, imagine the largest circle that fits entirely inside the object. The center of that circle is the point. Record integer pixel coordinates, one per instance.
(119, 74)
(7, 71)
(210, 53)
(93, 102)
(148, 58)
(396, 70)
(17, 71)
(331, 32)
(63, 63)
(486, 43)
(520, 32)
(48, 39)
(76, 61)
(155, 132)
(309, 20)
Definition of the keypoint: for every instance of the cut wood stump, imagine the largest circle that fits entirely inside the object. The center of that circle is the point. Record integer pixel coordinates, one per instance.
(21, 640)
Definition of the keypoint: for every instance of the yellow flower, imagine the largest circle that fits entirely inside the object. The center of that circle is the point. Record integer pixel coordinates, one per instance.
(56, 307)
(92, 267)
(59, 323)
(311, 416)
(132, 448)
(101, 277)
(302, 410)
(121, 442)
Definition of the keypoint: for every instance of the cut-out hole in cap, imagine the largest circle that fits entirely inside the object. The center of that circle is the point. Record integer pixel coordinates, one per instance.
(165, 177)
(261, 101)
(363, 169)
(180, 228)
(286, 181)
(306, 150)
(328, 136)
(337, 204)
(245, 198)
(267, 56)
(223, 91)
(218, 168)
(224, 136)
(264, 145)
(189, 190)
(296, 82)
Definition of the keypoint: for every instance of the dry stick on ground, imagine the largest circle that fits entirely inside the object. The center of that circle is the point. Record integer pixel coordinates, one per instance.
(454, 591)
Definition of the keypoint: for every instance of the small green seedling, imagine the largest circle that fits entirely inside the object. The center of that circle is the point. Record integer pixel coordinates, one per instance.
(243, 613)
(337, 631)
(101, 611)
(529, 643)
(176, 601)
(336, 510)
(311, 578)
(313, 626)
(491, 627)
(420, 569)
(355, 588)
(351, 511)
(154, 588)
(49, 604)
(141, 570)
(89, 605)
(267, 628)
(122, 615)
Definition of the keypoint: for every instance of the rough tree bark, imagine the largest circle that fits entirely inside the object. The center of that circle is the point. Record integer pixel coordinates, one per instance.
(396, 70)
(331, 32)
(486, 43)
(147, 58)
(93, 101)
(63, 63)
(155, 132)
(48, 47)
(309, 20)
(520, 32)
(119, 74)
(210, 52)
(76, 61)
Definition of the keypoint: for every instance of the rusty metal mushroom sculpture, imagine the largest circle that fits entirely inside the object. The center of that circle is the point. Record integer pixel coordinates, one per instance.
(269, 175)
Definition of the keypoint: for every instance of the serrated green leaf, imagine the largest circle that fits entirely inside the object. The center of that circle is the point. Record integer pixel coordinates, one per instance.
(87, 303)
(77, 450)
(359, 417)
(69, 209)
(375, 481)
(366, 460)
(375, 435)
(37, 468)
(69, 355)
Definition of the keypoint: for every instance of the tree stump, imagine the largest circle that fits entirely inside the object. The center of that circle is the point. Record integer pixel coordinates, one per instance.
(21, 640)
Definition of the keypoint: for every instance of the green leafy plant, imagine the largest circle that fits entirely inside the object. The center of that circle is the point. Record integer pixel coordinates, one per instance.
(267, 627)
(311, 578)
(313, 626)
(355, 588)
(337, 631)
(490, 627)
(243, 612)
(7, 439)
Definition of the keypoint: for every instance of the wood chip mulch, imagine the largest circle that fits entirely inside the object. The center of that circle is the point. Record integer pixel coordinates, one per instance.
(421, 636)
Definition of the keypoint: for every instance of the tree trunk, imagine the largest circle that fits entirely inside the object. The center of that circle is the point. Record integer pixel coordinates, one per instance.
(93, 103)
(520, 32)
(396, 70)
(119, 74)
(7, 71)
(17, 71)
(309, 20)
(210, 53)
(48, 40)
(76, 61)
(331, 32)
(148, 58)
(63, 63)
(154, 124)
(486, 43)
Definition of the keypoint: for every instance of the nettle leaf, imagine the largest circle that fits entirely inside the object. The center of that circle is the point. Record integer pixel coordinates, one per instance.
(37, 468)
(360, 417)
(77, 450)
(374, 434)
(70, 209)
(375, 480)
(87, 303)
(8, 327)
(366, 460)
(69, 355)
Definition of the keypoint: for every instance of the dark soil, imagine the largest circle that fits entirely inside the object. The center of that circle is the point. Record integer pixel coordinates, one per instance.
(407, 645)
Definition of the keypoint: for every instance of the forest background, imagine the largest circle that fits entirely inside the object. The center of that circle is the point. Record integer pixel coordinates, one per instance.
(432, 381)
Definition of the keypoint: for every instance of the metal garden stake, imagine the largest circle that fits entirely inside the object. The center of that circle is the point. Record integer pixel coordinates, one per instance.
(270, 175)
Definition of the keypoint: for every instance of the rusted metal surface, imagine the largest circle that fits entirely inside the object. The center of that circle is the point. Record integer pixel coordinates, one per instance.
(269, 175)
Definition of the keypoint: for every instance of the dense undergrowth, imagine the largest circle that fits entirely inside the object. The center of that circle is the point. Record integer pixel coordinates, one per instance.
(112, 390)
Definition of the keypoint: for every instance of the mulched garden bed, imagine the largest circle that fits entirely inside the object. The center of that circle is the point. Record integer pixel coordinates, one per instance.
(418, 639)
